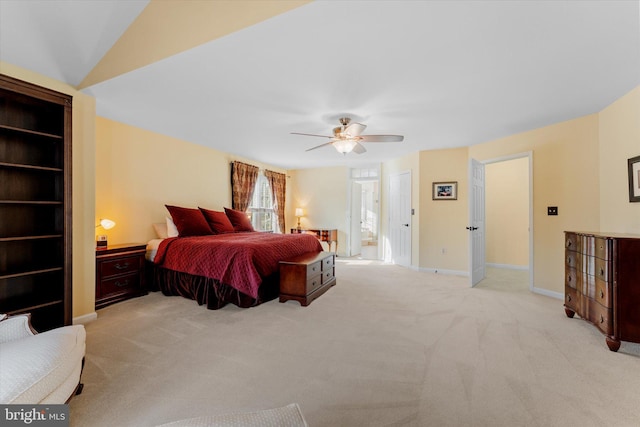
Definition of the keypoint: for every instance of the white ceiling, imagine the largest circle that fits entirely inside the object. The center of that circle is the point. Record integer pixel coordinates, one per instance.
(444, 74)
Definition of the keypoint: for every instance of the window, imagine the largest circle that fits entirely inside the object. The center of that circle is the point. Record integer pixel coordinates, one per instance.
(263, 216)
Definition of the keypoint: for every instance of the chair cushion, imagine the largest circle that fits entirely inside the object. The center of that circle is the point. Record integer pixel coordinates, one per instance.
(34, 367)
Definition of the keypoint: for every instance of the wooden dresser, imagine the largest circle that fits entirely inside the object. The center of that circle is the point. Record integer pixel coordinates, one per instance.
(120, 273)
(324, 235)
(602, 283)
(306, 277)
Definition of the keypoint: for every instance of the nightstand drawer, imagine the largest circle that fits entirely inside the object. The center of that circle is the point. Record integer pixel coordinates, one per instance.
(120, 285)
(119, 273)
(120, 266)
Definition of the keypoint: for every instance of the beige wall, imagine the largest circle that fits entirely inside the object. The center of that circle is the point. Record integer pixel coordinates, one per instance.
(619, 141)
(507, 212)
(565, 174)
(83, 151)
(443, 222)
(138, 172)
(322, 193)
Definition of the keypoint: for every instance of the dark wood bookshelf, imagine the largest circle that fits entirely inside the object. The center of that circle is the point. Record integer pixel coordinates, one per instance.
(35, 203)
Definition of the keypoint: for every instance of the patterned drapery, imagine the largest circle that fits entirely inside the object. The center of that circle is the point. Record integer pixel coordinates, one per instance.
(243, 182)
(278, 183)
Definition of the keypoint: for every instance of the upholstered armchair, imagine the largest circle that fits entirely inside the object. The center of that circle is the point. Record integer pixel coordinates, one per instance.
(39, 367)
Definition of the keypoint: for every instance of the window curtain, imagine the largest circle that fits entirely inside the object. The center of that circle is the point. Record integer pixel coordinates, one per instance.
(243, 182)
(278, 183)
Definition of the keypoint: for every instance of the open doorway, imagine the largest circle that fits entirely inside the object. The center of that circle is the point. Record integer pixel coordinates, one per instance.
(365, 213)
(506, 212)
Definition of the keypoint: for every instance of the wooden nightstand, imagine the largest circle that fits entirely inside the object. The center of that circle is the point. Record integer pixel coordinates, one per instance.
(119, 273)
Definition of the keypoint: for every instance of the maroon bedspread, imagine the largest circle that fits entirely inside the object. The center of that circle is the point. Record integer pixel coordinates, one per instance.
(240, 260)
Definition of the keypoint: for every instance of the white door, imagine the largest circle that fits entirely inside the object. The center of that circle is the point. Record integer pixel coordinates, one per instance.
(400, 219)
(355, 246)
(476, 222)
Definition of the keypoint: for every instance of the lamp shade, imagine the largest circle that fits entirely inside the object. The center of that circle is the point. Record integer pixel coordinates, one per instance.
(299, 212)
(344, 146)
(107, 224)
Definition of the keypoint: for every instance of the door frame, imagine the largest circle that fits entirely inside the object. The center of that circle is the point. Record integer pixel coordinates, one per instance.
(528, 155)
(351, 180)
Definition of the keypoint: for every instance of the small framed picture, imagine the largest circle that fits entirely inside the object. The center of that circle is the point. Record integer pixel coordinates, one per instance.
(445, 190)
(634, 179)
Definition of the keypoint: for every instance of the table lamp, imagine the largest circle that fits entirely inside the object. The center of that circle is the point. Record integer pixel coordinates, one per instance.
(101, 239)
(299, 214)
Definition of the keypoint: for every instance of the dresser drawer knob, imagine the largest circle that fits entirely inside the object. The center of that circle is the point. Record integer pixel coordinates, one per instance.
(601, 294)
(569, 279)
(121, 284)
(602, 272)
(569, 244)
(569, 298)
(601, 318)
(122, 266)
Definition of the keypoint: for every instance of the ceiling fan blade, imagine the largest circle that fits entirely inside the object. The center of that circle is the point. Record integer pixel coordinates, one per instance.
(355, 129)
(359, 148)
(311, 134)
(381, 138)
(319, 146)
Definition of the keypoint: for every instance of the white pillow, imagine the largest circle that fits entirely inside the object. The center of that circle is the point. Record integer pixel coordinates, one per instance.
(172, 230)
(161, 229)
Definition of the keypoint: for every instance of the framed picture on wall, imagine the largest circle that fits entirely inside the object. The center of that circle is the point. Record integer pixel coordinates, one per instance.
(634, 179)
(445, 190)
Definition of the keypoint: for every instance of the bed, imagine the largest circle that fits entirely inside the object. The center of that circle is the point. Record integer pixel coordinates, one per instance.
(215, 270)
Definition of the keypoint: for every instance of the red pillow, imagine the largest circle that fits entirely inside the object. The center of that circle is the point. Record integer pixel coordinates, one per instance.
(189, 222)
(239, 220)
(218, 221)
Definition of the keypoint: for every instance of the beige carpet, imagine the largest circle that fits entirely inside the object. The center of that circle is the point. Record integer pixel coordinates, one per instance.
(387, 346)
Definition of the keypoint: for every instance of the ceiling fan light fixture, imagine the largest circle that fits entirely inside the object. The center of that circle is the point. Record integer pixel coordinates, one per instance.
(344, 146)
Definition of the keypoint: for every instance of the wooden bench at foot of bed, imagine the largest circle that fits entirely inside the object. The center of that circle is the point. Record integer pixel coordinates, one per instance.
(306, 277)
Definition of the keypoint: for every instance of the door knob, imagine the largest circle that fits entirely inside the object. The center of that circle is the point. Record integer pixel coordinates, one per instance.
(472, 228)
(406, 225)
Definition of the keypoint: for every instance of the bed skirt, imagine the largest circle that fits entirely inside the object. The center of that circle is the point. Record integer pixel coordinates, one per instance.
(207, 291)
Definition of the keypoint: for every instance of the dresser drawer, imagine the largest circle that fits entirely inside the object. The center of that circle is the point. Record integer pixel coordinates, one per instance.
(603, 293)
(120, 266)
(327, 263)
(601, 317)
(571, 299)
(327, 275)
(314, 269)
(602, 249)
(571, 242)
(571, 259)
(587, 245)
(571, 278)
(120, 285)
(602, 269)
(313, 284)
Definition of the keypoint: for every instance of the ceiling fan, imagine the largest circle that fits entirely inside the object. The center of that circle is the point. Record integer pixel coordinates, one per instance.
(348, 137)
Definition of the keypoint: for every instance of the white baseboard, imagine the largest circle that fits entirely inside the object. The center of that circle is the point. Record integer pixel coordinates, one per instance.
(443, 271)
(86, 318)
(508, 266)
(548, 293)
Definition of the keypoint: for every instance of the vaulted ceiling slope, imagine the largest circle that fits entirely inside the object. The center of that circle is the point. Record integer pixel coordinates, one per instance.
(239, 76)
